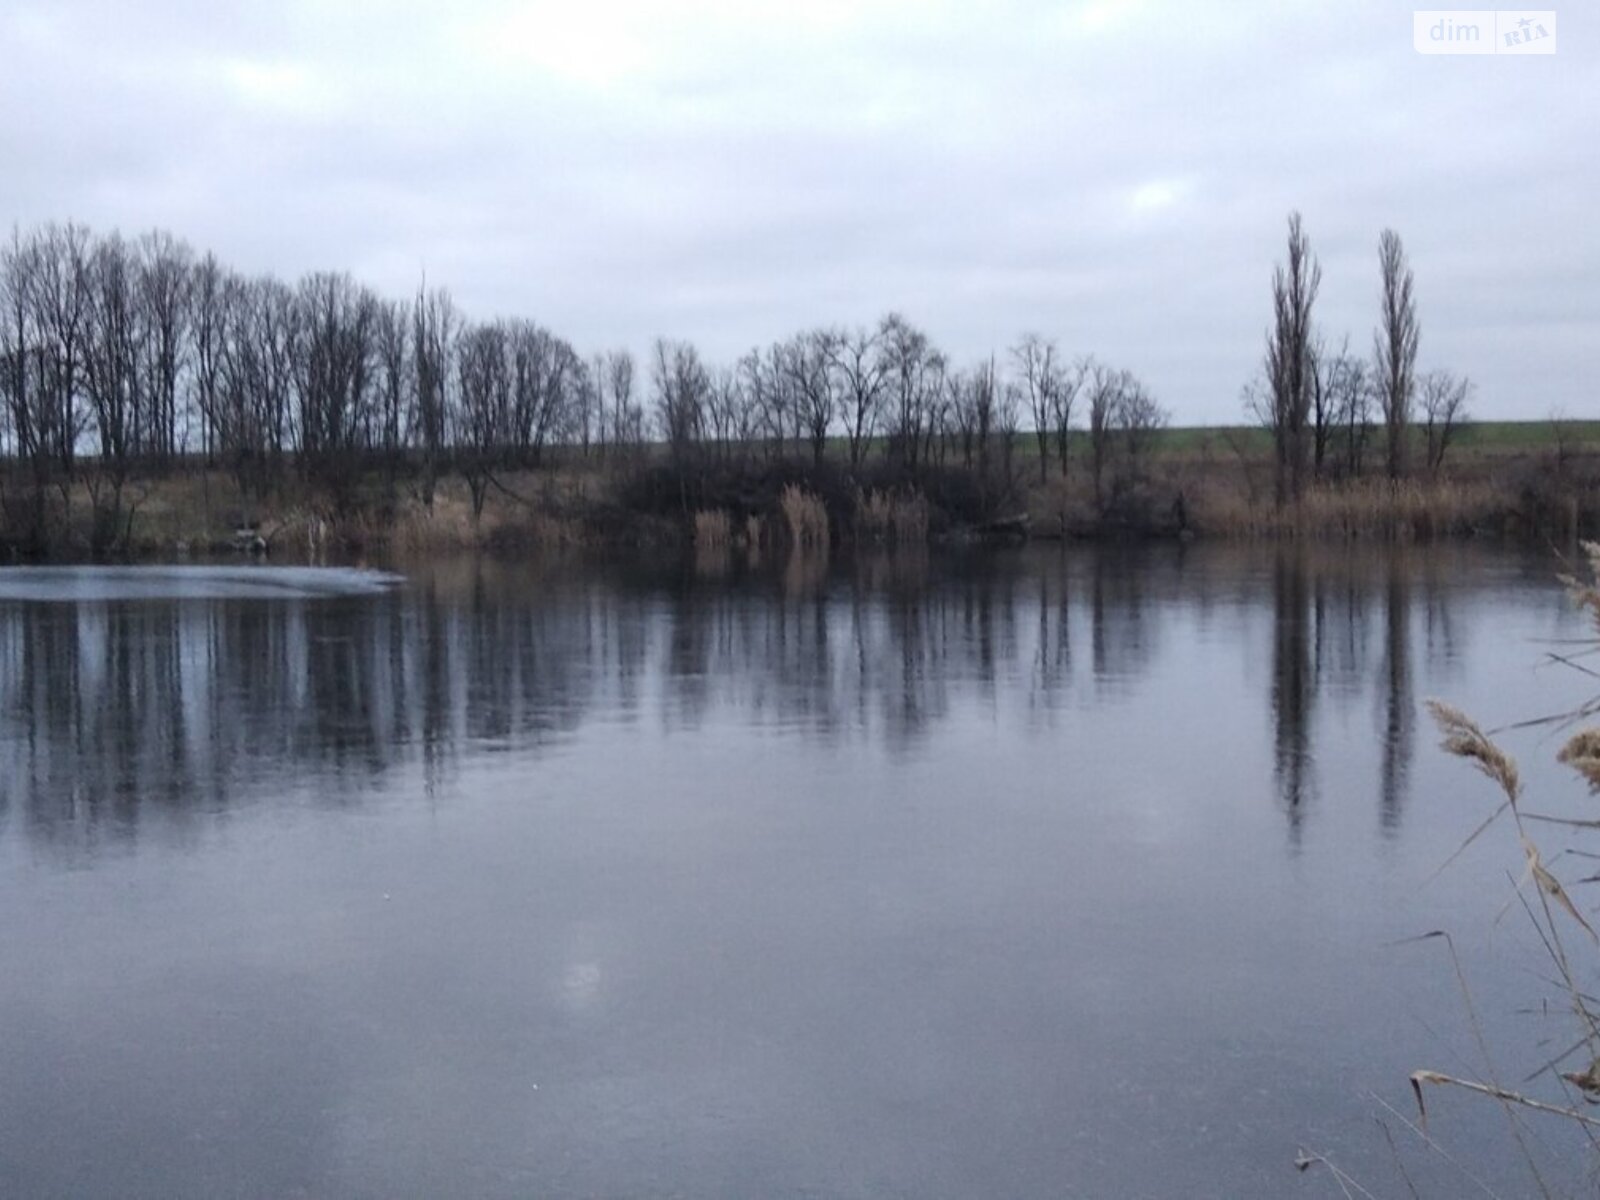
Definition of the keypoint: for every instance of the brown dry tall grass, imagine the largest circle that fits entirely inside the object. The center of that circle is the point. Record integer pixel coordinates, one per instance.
(1561, 1087)
(1368, 508)
(898, 517)
(712, 527)
(1565, 1083)
(447, 525)
(872, 516)
(806, 517)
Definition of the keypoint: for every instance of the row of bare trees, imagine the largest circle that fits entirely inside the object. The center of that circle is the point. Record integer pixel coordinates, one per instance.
(887, 385)
(890, 386)
(92, 346)
(1322, 405)
(120, 357)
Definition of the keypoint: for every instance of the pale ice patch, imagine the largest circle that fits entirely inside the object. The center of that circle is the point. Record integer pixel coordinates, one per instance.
(73, 585)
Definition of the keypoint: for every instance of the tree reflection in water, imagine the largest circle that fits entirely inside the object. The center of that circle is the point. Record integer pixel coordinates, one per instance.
(113, 711)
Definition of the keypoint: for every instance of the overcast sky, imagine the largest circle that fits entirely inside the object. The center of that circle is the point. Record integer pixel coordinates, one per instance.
(1114, 174)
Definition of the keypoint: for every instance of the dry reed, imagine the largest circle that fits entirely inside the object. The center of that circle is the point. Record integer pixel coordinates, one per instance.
(1582, 754)
(447, 525)
(872, 516)
(713, 527)
(1368, 508)
(806, 517)
(899, 517)
(1551, 910)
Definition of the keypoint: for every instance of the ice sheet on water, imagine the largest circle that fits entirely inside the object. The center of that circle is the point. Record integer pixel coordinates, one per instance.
(75, 585)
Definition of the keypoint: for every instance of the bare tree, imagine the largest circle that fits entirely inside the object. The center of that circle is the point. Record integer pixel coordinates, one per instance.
(545, 373)
(113, 341)
(1007, 424)
(935, 407)
(257, 380)
(985, 388)
(596, 403)
(808, 360)
(1124, 420)
(583, 404)
(334, 372)
(627, 419)
(913, 374)
(681, 385)
(1035, 358)
(956, 415)
(165, 271)
(238, 421)
(277, 318)
(25, 380)
(18, 347)
(1065, 389)
(1331, 397)
(1139, 419)
(1102, 389)
(730, 418)
(1395, 348)
(1323, 424)
(433, 336)
(1290, 364)
(207, 317)
(483, 415)
(1344, 387)
(768, 385)
(861, 371)
(1444, 410)
(395, 362)
(60, 297)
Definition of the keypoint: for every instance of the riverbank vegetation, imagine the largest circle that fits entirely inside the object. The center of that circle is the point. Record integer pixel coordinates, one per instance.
(1561, 1084)
(152, 400)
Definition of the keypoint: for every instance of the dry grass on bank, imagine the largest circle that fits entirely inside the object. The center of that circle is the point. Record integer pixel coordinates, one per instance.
(806, 517)
(1536, 497)
(712, 527)
(897, 517)
(448, 524)
(1368, 508)
(1215, 503)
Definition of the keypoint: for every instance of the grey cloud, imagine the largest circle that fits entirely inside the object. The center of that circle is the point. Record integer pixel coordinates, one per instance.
(1115, 174)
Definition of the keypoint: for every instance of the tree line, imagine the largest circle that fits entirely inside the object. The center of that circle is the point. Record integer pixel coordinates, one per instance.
(124, 356)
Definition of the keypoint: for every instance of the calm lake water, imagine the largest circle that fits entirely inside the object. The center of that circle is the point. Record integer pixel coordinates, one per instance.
(1034, 873)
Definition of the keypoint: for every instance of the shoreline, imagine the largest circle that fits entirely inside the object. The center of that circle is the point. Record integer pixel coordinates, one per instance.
(1515, 496)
